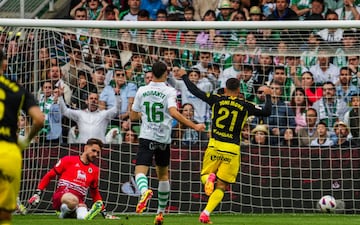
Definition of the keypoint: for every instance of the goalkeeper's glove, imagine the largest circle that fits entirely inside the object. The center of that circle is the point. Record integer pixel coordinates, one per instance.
(35, 199)
(23, 142)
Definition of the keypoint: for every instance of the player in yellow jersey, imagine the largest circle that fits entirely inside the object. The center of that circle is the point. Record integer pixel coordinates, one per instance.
(13, 98)
(221, 161)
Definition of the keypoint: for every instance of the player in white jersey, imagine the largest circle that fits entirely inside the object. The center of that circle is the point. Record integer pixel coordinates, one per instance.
(156, 105)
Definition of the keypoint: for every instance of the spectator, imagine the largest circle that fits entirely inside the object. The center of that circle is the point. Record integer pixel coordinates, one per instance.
(189, 55)
(253, 51)
(109, 12)
(73, 135)
(317, 10)
(310, 54)
(299, 105)
(246, 135)
(91, 122)
(70, 69)
(285, 82)
(354, 65)
(344, 88)
(131, 14)
(264, 71)
(246, 77)
(200, 107)
(177, 7)
(281, 117)
(348, 43)
(282, 11)
(93, 8)
(56, 77)
(189, 13)
(202, 65)
(342, 132)
(124, 93)
(331, 35)
(260, 135)
(255, 13)
(161, 15)
(183, 136)
(324, 70)
(113, 136)
(290, 139)
(233, 71)
(153, 6)
(111, 62)
(260, 96)
(329, 107)
(135, 70)
(312, 91)
(96, 46)
(349, 11)
(201, 7)
(48, 103)
(352, 117)
(80, 92)
(323, 139)
(308, 133)
(226, 9)
(301, 8)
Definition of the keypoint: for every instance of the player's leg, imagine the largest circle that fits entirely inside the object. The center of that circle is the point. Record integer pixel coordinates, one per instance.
(209, 168)
(69, 203)
(226, 174)
(144, 159)
(162, 160)
(81, 212)
(10, 169)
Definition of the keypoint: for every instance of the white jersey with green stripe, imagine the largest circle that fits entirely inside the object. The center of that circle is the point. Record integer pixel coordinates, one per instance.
(154, 101)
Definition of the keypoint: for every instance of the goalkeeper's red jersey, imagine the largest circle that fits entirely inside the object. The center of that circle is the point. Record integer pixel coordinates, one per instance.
(75, 177)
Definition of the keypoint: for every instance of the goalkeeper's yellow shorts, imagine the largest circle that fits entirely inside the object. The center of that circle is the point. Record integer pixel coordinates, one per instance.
(10, 175)
(224, 163)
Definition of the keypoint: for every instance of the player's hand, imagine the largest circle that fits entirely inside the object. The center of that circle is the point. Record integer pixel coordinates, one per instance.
(199, 127)
(181, 72)
(267, 90)
(23, 142)
(35, 199)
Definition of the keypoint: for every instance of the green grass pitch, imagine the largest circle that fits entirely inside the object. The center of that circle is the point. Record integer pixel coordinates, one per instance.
(192, 219)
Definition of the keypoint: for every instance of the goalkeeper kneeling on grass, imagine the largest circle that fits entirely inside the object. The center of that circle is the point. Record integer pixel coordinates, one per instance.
(77, 175)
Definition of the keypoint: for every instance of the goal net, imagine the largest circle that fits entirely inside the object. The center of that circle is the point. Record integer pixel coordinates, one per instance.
(276, 175)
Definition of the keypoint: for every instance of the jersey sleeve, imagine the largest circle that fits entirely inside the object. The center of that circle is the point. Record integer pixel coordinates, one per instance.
(136, 104)
(171, 101)
(258, 110)
(29, 101)
(206, 97)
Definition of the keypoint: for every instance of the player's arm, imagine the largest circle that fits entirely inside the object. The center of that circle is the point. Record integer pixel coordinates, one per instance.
(263, 111)
(44, 182)
(135, 116)
(37, 117)
(192, 87)
(179, 117)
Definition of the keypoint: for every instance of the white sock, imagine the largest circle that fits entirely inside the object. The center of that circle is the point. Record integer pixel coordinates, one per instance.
(64, 209)
(81, 212)
(142, 182)
(163, 195)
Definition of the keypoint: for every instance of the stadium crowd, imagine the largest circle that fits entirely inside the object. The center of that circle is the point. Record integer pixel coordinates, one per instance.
(85, 84)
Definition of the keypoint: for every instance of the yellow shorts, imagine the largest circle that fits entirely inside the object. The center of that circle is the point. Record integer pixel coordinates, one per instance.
(225, 164)
(10, 175)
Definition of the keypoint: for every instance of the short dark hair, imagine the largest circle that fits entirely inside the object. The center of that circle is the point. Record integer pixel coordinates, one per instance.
(232, 84)
(94, 141)
(158, 69)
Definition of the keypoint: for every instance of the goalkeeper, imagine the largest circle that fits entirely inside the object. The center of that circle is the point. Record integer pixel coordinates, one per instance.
(221, 161)
(76, 174)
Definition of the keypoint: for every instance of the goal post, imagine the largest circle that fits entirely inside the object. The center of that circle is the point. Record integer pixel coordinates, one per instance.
(272, 179)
